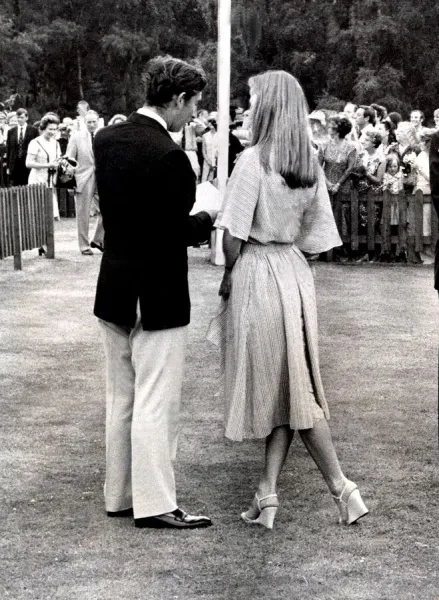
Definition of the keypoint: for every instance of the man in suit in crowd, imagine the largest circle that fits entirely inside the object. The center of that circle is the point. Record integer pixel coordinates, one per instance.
(17, 143)
(417, 119)
(82, 109)
(80, 147)
(365, 121)
(147, 189)
(434, 184)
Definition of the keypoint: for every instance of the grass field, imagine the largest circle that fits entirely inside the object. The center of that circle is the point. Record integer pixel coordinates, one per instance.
(378, 345)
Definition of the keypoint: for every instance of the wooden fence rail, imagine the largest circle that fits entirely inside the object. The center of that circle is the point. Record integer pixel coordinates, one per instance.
(26, 221)
(416, 229)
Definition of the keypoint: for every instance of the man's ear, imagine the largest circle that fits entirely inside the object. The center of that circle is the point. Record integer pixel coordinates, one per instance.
(181, 99)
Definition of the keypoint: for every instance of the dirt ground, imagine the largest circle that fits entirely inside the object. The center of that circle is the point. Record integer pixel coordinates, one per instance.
(379, 358)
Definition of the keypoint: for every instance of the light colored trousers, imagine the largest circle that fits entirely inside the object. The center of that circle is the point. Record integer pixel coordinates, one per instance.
(144, 372)
(83, 202)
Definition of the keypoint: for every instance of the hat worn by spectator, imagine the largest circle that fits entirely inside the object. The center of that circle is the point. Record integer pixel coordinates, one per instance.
(318, 115)
(213, 116)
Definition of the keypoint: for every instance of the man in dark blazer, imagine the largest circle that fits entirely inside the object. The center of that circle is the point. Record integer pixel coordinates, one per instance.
(16, 148)
(434, 184)
(146, 189)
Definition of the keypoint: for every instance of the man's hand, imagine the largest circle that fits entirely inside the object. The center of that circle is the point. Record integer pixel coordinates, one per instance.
(226, 285)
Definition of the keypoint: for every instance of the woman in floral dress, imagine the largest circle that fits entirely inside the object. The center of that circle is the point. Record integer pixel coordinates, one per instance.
(369, 176)
(338, 158)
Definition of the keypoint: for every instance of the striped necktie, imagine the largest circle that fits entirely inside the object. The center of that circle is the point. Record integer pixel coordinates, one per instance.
(20, 143)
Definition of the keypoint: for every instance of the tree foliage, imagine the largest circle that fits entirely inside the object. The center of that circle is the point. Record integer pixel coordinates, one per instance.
(54, 53)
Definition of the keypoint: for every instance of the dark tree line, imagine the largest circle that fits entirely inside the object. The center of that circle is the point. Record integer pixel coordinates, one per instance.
(53, 53)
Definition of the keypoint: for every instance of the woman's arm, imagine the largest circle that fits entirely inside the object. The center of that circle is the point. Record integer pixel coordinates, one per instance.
(378, 178)
(31, 163)
(204, 148)
(352, 159)
(423, 168)
(232, 249)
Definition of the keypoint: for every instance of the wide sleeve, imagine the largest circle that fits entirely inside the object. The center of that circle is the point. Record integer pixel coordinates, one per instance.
(241, 196)
(318, 232)
(434, 170)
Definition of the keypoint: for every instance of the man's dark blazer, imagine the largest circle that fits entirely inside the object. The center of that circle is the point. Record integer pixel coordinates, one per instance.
(434, 184)
(18, 174)
(146, 190)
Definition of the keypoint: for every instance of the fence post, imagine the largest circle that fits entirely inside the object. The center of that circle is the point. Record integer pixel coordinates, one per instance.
(50, 229)
(371, 220)
(411, 228)
(419, 214)
(354, 220)
(16, 225)
(385, 233)
(434, 226)
(402, 226)
(2, 221)
(334, 205)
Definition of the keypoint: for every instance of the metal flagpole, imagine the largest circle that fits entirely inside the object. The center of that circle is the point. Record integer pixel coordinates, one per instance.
(223, 79)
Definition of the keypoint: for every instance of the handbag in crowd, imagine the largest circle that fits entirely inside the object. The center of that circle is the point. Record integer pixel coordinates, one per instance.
(66, 172)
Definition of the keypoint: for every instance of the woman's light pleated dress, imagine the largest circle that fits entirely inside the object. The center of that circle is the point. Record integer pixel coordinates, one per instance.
(267, 329)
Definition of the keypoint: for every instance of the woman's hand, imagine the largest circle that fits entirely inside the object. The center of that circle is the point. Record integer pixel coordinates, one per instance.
(226, 285)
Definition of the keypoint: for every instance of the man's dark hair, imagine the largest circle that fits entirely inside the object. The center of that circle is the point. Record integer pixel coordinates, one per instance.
(395, 117)
(381, 111)
(22, 111)
(390, 127)
(166, 76)
(368, 111)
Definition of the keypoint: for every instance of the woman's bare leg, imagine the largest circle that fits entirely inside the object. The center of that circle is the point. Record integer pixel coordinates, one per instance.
(276, 449)
(318, 442)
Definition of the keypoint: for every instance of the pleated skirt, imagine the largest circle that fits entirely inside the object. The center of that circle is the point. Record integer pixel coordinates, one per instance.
(267, 332)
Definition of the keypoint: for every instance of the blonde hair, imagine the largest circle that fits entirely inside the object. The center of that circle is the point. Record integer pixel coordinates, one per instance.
(392, 157)
(280, 129)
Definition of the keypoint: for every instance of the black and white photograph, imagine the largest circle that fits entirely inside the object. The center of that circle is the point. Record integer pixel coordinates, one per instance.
(219, 275)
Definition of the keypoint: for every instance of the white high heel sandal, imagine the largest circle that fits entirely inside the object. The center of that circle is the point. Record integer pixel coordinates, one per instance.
(262, 511)
(350, 504)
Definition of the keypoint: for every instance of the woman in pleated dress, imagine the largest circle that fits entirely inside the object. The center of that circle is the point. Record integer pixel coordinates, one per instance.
(276, 208)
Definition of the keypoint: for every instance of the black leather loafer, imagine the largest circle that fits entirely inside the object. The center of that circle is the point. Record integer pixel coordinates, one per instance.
(121, 513)
(176, 519)
(97, 246)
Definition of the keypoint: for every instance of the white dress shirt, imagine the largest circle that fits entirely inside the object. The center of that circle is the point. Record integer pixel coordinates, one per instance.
(147, 112)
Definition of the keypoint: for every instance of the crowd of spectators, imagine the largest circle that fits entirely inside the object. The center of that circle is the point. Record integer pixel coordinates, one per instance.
(367, 148)
(59, 154)
(199, 139)
(364, 147)
(12, 121)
